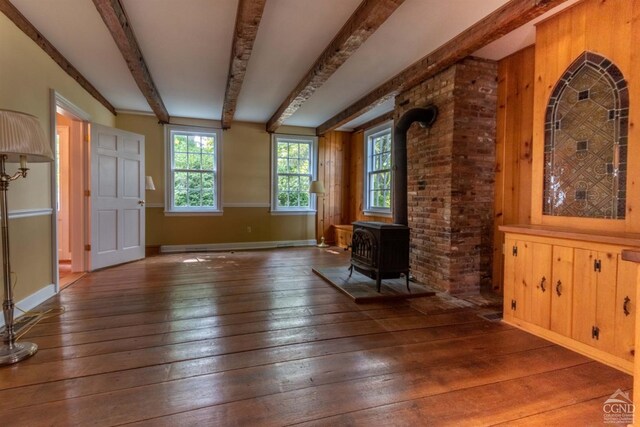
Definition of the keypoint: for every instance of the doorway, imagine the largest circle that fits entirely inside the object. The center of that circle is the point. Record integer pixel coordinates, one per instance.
(69, 197)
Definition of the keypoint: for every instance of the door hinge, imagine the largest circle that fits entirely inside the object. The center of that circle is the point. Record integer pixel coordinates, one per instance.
(514, 251)
(597, 265)
(87, 193)
(513, 304)
(87, 247)
(595, 332)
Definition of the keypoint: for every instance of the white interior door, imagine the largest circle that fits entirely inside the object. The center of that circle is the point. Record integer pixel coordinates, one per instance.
(117, 196)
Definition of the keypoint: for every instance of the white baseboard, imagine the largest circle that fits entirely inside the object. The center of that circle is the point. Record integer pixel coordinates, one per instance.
(236, 246)
(32, 301)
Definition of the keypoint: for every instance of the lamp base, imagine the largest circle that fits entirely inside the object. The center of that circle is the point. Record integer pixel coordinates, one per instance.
(322, 244)
(20, 351)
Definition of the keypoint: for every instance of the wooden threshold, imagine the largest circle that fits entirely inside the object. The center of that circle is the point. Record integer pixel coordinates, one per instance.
(70, 279)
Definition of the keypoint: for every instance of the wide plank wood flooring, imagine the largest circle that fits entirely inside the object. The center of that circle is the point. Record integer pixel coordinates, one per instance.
(256, 339)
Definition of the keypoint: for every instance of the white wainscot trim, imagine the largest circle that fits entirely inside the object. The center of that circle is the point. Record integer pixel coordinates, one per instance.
(32, 301)
(237, 246)
(26, 213)
(299, 213)
(247, 205)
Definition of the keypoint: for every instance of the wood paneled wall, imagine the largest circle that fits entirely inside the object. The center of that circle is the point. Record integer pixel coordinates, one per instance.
(514, 137)
(356, 177)
(334, 155)
(610, 28)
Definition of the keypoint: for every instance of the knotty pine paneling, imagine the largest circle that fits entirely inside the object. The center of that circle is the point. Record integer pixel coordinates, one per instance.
(512, 204)
(356, 177)
(333, 162)
(610, 28)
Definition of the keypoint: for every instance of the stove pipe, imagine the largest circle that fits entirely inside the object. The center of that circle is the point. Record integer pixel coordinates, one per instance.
(426, 117)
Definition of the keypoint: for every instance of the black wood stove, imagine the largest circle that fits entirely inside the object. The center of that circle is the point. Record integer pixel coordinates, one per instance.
(380, 250)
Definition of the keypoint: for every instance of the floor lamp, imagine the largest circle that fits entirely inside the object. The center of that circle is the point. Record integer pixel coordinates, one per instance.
(21, 140)
(317, 188)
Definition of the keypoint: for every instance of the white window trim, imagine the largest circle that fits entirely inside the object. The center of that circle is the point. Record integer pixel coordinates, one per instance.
(169, 209)
(275, 210)
(368, 210)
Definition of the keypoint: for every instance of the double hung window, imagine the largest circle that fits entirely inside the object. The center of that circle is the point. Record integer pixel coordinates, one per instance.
(294, 160)
(193, 172)
(378, 147)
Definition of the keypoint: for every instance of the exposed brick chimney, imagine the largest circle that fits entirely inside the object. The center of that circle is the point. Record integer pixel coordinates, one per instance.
(451, 169)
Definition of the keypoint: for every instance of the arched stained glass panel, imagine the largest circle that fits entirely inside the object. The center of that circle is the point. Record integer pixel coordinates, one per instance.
(585, 150)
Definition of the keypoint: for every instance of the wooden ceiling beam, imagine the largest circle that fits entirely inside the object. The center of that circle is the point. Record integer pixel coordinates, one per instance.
(363, 22)
(497, 24)
(247, 22)
(23, 24)
(115, 18)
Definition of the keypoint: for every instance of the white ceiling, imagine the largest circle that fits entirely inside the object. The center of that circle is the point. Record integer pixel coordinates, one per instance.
(187, 47)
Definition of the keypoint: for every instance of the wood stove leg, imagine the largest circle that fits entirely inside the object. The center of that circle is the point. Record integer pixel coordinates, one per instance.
(350, 270)
(406, 275)
(378, 282)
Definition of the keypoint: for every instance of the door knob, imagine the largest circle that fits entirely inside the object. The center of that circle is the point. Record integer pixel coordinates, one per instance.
(141, 202)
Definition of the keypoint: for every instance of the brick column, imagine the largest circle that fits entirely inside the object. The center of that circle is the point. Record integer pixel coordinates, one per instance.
(451, 170)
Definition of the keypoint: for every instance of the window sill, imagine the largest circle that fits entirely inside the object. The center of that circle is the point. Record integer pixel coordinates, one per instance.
(192, 213)
(301, 213)
(385, 214)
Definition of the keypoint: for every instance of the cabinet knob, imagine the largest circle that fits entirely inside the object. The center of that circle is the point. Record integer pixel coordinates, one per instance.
(559, 288)
(542, 284)
(625, 306)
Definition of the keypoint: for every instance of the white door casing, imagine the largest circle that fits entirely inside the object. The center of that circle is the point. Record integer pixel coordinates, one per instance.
(117, 196)
(64, 244)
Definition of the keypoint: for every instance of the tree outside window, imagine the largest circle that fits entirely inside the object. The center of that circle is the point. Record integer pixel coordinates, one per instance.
(294, 171)
(194, 179)
(378, 145)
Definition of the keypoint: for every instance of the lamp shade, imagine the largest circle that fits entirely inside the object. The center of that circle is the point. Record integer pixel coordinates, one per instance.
(317, 187)
(21, 135)
(148, 183)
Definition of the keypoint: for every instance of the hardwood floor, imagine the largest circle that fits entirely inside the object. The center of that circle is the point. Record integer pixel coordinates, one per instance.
(255, 338)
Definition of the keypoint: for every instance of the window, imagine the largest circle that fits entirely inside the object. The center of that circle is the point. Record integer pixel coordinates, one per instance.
(293, 170)
(193, 169)
(377, 185)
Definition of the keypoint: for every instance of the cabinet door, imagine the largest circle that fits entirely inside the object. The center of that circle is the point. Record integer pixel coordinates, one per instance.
(606, 276)
(509, 277)
(594, 298)
(625, 309)
(584, 300)
(561, 290)
(518, 274)
(541, 287)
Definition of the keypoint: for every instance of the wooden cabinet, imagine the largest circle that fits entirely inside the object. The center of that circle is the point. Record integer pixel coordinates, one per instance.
(625, 310)
(528, 268)
(343, 235)
(561, 290)
(573, 289)
(594, 305)
(541, 284)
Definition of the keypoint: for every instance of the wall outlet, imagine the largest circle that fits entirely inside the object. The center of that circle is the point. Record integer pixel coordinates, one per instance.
(249, 229)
